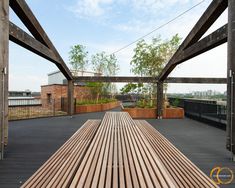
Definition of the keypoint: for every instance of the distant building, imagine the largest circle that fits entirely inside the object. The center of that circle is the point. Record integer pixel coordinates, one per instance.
(14, 94)
(57, 77)
(55, 93)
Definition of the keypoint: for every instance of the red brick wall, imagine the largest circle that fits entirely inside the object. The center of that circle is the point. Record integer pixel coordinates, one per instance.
(60, 91)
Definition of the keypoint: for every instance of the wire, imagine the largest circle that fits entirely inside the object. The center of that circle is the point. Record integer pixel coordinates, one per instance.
(159, 27)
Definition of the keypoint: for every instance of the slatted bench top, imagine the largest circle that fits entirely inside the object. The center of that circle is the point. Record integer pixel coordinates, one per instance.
(118, 152)
(183, 172)
(60, 168)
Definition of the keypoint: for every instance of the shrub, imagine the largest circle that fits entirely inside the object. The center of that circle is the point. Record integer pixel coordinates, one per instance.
(176, 102)
(100, 101)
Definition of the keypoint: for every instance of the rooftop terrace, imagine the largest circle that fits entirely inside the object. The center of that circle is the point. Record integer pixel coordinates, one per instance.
(32, 142)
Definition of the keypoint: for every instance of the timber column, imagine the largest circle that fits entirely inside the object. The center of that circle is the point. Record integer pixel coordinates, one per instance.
(4, 57)
(230, 76)
(70, 98)
(159, 100)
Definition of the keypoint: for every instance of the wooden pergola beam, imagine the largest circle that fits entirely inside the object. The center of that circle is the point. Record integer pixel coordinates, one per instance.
(211, 41)
(4, 65)
(214, 10)
(114, 79)
(187, 80)
(25, 14)
(18, 36)
(149, 79)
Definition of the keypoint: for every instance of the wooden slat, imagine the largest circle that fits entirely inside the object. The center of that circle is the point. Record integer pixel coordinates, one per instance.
(47, 174)
(154, 167)
(184, 172)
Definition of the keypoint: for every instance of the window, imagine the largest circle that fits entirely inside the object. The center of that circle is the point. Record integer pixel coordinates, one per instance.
(49, 99)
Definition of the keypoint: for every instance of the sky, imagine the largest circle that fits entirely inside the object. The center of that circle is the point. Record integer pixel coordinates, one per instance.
(108, 25)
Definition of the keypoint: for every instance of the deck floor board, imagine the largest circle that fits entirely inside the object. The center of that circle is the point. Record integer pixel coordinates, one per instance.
(26, 153)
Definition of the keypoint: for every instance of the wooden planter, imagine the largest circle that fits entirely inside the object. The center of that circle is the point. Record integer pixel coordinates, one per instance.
(173, 113)
(95, 107)
(151, 113)
(144, 113)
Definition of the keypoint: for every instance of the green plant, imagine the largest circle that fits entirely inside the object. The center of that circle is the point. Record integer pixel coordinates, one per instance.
(90, 102)
(106, 65)
(145, 103)
(150, 58)
(77, 57)
(176, 102)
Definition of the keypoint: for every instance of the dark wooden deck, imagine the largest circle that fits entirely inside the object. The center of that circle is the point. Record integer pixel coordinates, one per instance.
(32, 142)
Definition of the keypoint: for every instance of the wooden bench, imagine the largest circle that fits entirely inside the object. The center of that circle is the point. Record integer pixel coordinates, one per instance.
(118, 152)
(181, 169)
(60, 168)
(119, 156)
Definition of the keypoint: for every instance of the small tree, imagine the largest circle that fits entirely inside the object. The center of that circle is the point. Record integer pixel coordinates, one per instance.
(150, 59)
(77, 58)
(106, 65)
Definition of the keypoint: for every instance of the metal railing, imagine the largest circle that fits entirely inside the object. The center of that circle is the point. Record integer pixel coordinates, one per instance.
(34, 108)
(203, 110)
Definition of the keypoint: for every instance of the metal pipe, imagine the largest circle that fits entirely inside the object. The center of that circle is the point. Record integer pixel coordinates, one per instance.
(2, 122)
(231, 114)
(230, 76)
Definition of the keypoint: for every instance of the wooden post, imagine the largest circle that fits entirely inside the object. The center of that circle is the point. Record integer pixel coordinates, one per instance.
(70, 98)
(4, 56)
(230, 78)
(159, 100)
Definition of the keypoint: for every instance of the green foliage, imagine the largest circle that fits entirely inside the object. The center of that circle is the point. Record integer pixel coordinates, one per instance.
(96, 89)
(131, 88)
(149, 59)
(90, 102)
(145, 103)
(107, 66)
(77, 57)
(176, 102)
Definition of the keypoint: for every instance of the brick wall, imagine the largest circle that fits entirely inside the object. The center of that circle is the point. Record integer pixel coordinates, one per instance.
(51, 94)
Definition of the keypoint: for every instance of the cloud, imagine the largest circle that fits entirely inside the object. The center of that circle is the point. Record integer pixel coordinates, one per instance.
(91, 8)
(98, 8)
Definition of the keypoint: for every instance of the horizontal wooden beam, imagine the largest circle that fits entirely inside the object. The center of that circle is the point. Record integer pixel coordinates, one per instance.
(211, 41)
(214, 10)
(149, 79)
(114, 79)
(18, 36)
(26, 15)
(187, 80)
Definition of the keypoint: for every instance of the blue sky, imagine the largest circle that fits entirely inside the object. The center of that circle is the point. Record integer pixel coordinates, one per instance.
(107, 25)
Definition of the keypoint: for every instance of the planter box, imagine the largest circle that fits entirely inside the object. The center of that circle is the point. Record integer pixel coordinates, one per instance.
(144, 113)
(96, 107)
(173, 113)
(88, 108)
(151, 113)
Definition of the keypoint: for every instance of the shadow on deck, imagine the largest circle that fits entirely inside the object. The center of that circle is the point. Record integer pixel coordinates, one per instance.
(32, 142)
